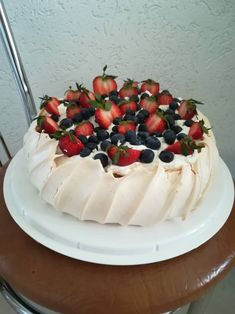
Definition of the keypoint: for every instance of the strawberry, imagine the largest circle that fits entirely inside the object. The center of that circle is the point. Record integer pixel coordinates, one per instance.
(125, 126)
(150, 86)
(188, 108)
(164, 98)
(185, 146)
(125, 105)
(106, 111)
(50, 104)
(72, 109)
(132, 82)
(70, 144)
(104, 84)
(156, 122)
(123, 155)
(149, 103)
(197, 129)
(46, 124)
(73, 95)
(84, 128)
(85, 97)
(129, 89)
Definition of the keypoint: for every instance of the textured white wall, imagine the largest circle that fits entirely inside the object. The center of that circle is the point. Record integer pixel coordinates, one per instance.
(188, 46)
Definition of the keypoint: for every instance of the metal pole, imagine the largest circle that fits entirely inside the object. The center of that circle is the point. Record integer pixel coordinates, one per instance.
(17, 65)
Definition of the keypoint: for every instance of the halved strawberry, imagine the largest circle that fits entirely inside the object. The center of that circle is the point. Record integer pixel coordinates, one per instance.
(149, 103)
(123, 155)
(125, 105)
(125, 126)
(156, 122)
(150, 86)
(188, 108)
(185, 146)
(129, 89)
(50, 104)
(84, 128)
(164, 98)
(72, 109)
(73, 95)
(70, 144)
(46, 124)
(106, 111)
(104, 84)
(85, 98)
(197, 129)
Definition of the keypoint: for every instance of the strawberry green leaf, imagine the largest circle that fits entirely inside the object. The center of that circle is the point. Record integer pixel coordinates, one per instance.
(107, 106)
(116, 157)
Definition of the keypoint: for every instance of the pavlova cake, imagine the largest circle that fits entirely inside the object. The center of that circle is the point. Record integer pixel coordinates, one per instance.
(133, 156)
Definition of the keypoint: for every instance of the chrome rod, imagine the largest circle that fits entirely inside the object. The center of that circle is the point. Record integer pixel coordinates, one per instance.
(17, 65)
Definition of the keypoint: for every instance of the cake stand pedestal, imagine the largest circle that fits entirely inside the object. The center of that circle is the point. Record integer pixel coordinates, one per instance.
(68, 285)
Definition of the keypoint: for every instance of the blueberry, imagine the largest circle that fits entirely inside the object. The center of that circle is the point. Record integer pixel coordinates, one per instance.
(138, 107)
(103, 159)
(170, 120)
(180, 136)
(188, 123)
(157, 134)
(128, 117)
(176, 128)
(135, 141)
(145, 113)
(169, 136)
(173, 105)
(92, 146)
(66, 123)
(176, 116)
(93, 139)
(102, 135)
(77, 117)
(55, 117)
(85, 152)
(176, 99)
(91, 111)
(152, 142)
(113, 93)
(115, 129)
(129, 135)
(142, 128)
(118, 138)
(134, 98)
(146, 156)
(98, 128)
(105, 144)
(144, 95)
(83, 139)
(115, 99)
(130, 112)
(112, 134)
(140, 117)
(143, 135)
(166, 156)
(85, 113)
(104, 96)
(117, 120)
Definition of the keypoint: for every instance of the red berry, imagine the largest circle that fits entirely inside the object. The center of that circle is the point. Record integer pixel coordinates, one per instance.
(50, 104)
(126, 105)
(104, 84)
(85, 98)
(123, 155)
(125, 126)
(149, 103)
(197, 129)
(70, 145)
(84, 128)
(187, 109)
(150, 86)
(71, 110)
(129, 88)
(155, 123)
(73, 95)
(47, 124)
(164, 98)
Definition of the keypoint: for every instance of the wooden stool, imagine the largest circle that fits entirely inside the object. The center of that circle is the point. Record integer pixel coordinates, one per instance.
(71, 286)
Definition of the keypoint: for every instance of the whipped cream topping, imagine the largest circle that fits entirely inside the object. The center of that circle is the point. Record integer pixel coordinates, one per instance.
(141, 194)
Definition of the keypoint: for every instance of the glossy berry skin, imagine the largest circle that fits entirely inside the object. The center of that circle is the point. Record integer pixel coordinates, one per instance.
(102, 135)
(123, 157)
(125, 126)
(173, 105)
(104, 84)
(187, 109)
(47, 124)
(84, 128)
(146, 156)
(196, 131)
(155, 123)
(66, 123)
(169, 136)
(118, 138)
(166, 156)
(180, 136)
(164, 98)
(70, 145)
(105, 145)
(127, 105)
(77, 117)
(103, 159)
(188, 123)
(153, 143)
(85, 152)
(129, 135)
(72, 110)
(50, 104)
(176, 148)
(149, 103)
(85, 97)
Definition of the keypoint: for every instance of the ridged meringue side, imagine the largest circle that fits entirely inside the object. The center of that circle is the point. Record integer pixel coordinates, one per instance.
(146, 193)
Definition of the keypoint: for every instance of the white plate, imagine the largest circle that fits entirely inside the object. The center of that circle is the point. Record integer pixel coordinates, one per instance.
(115, 244)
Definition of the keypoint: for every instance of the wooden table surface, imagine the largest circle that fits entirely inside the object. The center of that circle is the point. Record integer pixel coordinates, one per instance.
(71, 286)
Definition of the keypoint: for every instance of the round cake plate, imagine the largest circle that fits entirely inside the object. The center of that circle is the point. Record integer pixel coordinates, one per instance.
(113, 244)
